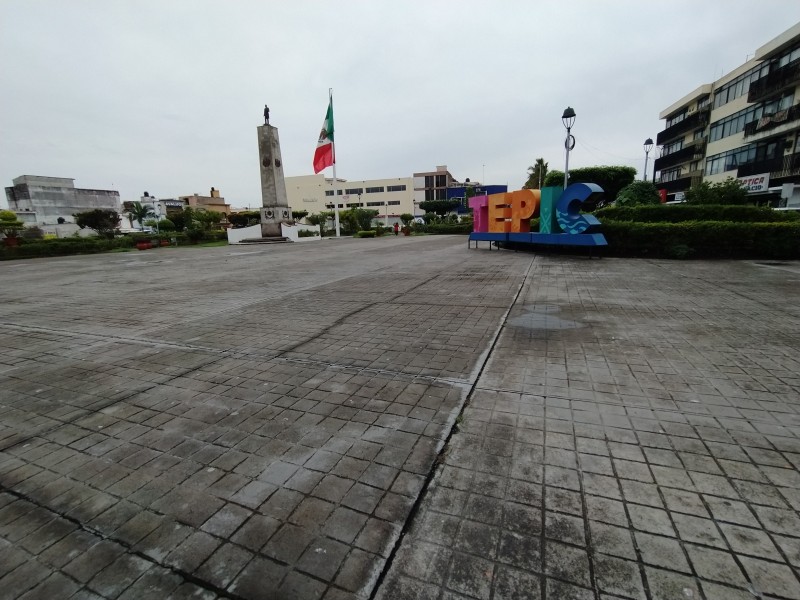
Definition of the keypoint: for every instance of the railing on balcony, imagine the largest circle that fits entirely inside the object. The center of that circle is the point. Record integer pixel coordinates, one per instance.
(767, 122)
(774, 81)
(699, 118)
(784, 166)
(694, 151)
(682, 183)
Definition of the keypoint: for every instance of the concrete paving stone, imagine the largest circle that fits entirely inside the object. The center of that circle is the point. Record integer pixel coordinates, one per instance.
(163, 539)
(715, 565)
(471, 576)
(615, 541)
(771, 578)
(119, 575)
(90, 562)
(651, 520)
(668, 585)
(716, 591)
(223, 565)
(567, 563)
(193, 552)
(567, 591)
(661, 552)
(22, 579)
(258, 580)
(755, 542)
(288, 543)
(299, 585)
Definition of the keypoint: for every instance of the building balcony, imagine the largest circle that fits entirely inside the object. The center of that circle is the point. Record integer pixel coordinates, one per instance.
(770, 122)
(698, 118)
(774, 82)
(694, 151)
(778, 168)
(681, 184)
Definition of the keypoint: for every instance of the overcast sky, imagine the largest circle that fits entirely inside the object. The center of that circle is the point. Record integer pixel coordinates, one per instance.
(166, 95)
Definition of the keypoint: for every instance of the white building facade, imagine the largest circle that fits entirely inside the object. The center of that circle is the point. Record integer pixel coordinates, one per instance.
(315, 194)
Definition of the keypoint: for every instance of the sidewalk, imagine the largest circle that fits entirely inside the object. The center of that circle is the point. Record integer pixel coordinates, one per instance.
(398, 418)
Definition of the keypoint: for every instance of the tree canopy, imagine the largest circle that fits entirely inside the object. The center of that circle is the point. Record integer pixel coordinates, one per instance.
(9, 224)
(104, 221)
(439, 207)
(139, 212)
(729, 191)
(638, 193)
(536, 175)
(611, 178)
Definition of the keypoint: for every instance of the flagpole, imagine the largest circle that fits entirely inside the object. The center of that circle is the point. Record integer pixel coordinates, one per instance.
(335, 179)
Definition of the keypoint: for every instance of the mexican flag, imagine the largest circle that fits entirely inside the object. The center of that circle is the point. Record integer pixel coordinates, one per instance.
(325, 155)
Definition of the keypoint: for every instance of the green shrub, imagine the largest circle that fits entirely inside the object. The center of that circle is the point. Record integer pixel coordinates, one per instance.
(366, 234)
(307, 233)
(449, 228)
(703, 239)
(677, 213)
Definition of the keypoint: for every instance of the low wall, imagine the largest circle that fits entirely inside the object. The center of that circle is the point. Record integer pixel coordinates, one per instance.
(291, 232)
(237, 235)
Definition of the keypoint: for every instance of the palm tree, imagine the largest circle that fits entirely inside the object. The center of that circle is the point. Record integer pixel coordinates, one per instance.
(139, 212)
(536, 175)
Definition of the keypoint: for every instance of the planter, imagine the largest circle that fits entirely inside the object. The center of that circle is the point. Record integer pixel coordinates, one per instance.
(406, 231)
(11, 242)
(144, 245)
(164, 243)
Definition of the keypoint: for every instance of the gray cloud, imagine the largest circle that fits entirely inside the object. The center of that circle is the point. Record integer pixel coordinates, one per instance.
(165, 96)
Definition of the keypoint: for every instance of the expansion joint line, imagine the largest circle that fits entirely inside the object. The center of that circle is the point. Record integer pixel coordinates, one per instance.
(439, 459)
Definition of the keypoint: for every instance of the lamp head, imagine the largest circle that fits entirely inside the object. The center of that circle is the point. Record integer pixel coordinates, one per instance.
(568, 118)
(648, 145)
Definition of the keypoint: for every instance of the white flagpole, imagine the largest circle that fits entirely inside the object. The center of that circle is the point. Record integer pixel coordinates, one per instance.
(335, 180)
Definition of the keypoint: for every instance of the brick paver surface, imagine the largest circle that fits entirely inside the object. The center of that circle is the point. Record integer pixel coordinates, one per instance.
(273, 423)
(633, 435)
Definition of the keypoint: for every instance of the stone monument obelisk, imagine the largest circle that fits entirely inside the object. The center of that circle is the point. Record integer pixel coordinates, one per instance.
(274, 204)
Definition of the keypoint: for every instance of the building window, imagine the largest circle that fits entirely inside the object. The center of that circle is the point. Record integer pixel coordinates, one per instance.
(329, 192)
(670, 174)
(739, 86)
(354, 191)
(673, 147)
(441, 181)
(394, 202)
(429, 179)
(375, 203)
(676, 119)
(353, 204)
(374, 190)
(730, 160)
(395, 188)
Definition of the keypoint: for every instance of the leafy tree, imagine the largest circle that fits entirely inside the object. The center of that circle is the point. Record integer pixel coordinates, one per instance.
(245, 218)
(638, 192)
(182, 218)
(139, 212)
(611, 179)
(166, 225)
(729, 191)
(536, 175)
(357, 219)
(207, 219)
(299, 215)
(320, 219)
(439, 207)
(104, 221)
(10, 226)
(406, 219)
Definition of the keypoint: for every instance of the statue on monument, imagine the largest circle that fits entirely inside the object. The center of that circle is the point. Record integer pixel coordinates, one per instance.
(266, 115)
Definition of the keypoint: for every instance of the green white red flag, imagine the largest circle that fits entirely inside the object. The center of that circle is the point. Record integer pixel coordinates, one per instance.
(325, 156)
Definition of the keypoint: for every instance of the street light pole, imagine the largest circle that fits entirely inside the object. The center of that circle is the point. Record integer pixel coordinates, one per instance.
(568, 118)
(648, 145)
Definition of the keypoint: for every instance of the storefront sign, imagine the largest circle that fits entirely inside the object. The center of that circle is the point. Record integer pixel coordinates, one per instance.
(755, 183)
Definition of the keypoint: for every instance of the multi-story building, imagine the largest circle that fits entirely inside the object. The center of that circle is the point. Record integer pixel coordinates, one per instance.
(432, 185)
(49, 201)
(744, 125)
(213, 202)
(463, 191)
(315, 194)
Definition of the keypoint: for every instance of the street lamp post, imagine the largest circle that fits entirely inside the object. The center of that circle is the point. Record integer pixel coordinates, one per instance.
(568, 118)
(648, 145)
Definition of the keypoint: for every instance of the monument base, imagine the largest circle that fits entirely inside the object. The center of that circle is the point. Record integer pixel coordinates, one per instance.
(271, 230)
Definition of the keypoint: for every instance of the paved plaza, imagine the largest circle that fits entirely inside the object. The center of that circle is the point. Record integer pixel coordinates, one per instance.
(398, 418)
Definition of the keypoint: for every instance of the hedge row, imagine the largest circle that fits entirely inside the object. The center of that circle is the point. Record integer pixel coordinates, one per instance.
(678, 213)
(449, 228)
(703, 239)
(91, 245)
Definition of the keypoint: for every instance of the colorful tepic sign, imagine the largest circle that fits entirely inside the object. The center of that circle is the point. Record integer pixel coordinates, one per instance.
(506, 217)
